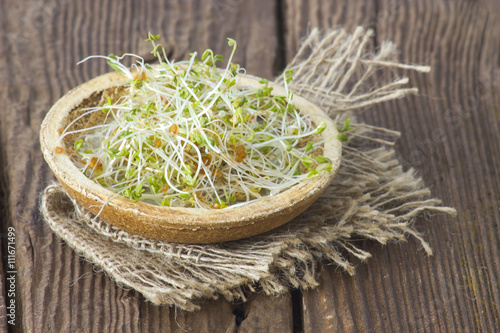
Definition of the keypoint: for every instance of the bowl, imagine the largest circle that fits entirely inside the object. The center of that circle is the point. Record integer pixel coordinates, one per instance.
(178, 224)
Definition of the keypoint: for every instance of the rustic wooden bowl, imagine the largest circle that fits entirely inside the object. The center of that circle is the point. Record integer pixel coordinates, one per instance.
(184, 225)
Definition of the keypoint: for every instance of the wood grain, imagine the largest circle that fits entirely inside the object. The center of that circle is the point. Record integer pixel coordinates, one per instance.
(450, 134)
(262, 313)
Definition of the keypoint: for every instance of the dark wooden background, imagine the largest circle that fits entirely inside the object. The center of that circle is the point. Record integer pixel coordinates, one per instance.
(450, 134)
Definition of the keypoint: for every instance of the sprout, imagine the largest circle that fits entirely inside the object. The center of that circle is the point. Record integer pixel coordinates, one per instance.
(186, 135)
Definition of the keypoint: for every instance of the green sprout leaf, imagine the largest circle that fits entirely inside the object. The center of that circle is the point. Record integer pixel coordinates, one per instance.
(313, 173)
(108, 103)
(78, 145)
(133, 193)
(309, 147)
(231, 42)
(307, 161)
(154, 184)
(152, 38)
(345, 127)
(322, 159)
(288, 75)
(113, 152)
(342, 137)
(320, 128)
(112, 62)
(185, 196)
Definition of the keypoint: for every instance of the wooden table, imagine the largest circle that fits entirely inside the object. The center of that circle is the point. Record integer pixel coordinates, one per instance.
(450, 134)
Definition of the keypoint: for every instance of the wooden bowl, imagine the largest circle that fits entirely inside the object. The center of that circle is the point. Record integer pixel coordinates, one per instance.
(184, 225)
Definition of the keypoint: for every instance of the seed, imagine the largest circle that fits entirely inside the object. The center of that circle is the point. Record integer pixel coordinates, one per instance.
(174, 129)
(157, 143)
(240, 152)
(94, 163)
(206, 159)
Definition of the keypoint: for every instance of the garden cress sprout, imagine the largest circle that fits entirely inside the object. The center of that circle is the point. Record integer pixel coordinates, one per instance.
(184, 134)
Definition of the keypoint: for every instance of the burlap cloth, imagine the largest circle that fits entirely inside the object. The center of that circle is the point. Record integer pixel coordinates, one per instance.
(372, 197)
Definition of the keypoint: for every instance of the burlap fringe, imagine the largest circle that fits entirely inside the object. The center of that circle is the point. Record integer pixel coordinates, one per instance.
(371, 197)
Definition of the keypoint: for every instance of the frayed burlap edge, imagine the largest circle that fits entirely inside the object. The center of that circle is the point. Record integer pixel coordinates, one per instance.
(372, 197)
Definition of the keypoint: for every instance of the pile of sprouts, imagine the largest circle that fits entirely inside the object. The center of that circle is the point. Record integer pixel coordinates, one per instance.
(185, 134)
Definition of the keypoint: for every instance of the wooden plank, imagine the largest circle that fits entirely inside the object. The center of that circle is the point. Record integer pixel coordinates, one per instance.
(213, 316)
(450, 135)
(42, 42)
(462, 43)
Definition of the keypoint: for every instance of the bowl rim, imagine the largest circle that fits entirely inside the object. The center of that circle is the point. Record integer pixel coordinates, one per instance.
(179, 217)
